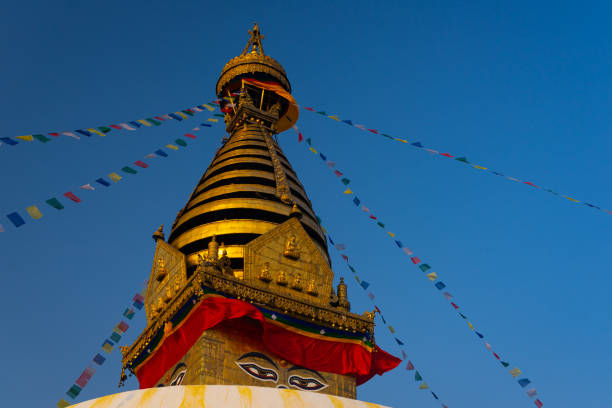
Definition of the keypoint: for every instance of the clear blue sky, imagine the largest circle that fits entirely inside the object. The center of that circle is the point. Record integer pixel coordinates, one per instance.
(522, 87)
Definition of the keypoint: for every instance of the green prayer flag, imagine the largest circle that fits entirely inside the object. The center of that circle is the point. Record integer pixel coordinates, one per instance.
(129, 170)
(54, 202)
(462, 315)
(322, 113)
(186, 112)
(380, 224)
(115, 337)
(318, 219)
(351, 268)
(386, 135)
(308, 141)
(505, 364)
(104, 129)
(74, 391)
(153, 121)
(345, 181)
(424, 267)
(181, 142)
(417, 376)
(41, 138)
(219, 115)
(463, 159)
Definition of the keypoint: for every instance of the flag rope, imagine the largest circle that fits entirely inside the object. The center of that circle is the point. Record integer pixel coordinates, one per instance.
(461, 159)
(416, 261)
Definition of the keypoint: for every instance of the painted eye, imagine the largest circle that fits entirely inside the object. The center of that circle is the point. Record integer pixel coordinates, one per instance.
(258, 372)
(178, 379)
(308, 384)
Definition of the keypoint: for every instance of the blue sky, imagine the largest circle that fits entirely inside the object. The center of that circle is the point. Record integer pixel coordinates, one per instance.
(521, 87)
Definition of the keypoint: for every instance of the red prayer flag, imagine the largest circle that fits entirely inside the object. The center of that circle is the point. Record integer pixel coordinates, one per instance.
(190, 110)
(54, 134)
(529, 183)
(338, 173)
(446, 155)
(456, 307)
(116, 127)
(123, 326)
(372, 217)
(300, 137)
(190, 135)
(82, 381)
(409, 366)
(496, 356)
(309, 109)
(141, 164)
(345, 257)
(538, 403)
(373, 131)
(71, 196)
(415, 260)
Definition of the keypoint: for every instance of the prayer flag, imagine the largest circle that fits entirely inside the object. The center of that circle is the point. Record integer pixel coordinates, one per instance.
(115, 177)
(115, 337)
(82, 381)
(401, 140)
(27, 138)
(479, 335)
(488, 346)
(300, 137)
(107, 346)
(391, 329)
(1, 228)
(9, 141)
(54, 134)
(213, 120)
(338, 173)
(97, 132)
(572, 199)
(129, 313)
(408, 251)
(138, 305)
(309, 141)
(357, 279)
(380, 224)
(153, 121)
(440, 285)
(322, 113)
(523, 382)
(123, 326)
(470, 325)
(399, 342)
(371, 296)
(398, 243)
(53, 202)
(454, 305)
(434, 395)
(312, 149)
(424, 267)
(364, 285)
(345, 181)
(515, 372)
(417, 144)
(74, 391)
(142, 164)
(409, 366)
(391, 234)
(71, 135)
(462, 159)
(417, 376)
(447, 295)
(531, 392)
(364, 208)
(150, 156)
(161, 153)
(373, 131)
(116, 127)
(126, 126)
(351, 268)
(206, 124)
(348, 122)
(347, 191)
(171, 146)
(87, 187)
(345, 257)
(334, 117)
(41, 138)
(462, 315)
(34, 212)
(174, 116)
(478, 167)
(496, 356)
(340, 247)
(404, 356)
(446, 155)
(330, 239)
(99, 359)
(181, 142)
(538, 403)
(505, 364)
(103, 182)
(104, 129)
(432, 276)
(210, 108)
(415, 260)
(360, 127)
(423, 386)
(322, 157)
(218, 115)
(144, 122)
(63, 403)
(356, 201)
(190, 135)
(71, 196)
(138, 298)
(386, 135)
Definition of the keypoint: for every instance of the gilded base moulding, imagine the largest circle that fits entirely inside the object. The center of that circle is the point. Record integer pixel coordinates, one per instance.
(222, 396)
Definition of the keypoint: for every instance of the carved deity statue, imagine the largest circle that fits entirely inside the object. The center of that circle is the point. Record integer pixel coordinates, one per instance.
(297, 282)
(265, 274)
(291, 248)
(161, 270)
(224, 263)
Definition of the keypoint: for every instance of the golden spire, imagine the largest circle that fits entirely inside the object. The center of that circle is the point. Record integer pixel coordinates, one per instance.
(159, 234)
(255, 41)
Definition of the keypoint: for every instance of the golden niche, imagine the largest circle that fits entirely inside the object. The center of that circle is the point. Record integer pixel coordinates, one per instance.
(265, 274)
(297, 282)
(281, 279)
(291, 248)
(161, 270)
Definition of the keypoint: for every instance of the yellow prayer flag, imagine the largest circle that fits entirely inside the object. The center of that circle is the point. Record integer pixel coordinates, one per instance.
(423, 386)
(210, 108)
(173, 147)
(34, 212)
(114, 176)
(97, 132)
(313, 150)
(334, 117)
(470, 324)
(392, 234)
(401, 140)
(144, 122)
(27, 138)
(391, 329)
(181, 114)
(572, 199)
(515, 372)
(432, 276)
(357, 278)
(213, 120)
(323, 229)
(348, 191)
(479, 167)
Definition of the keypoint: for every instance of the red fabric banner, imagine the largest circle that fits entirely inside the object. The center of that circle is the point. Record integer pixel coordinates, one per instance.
(299, 349)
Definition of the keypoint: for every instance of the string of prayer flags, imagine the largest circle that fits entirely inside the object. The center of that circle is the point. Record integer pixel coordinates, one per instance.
(426, 268)
(104, 130)
(35, 213)
(107, 346)
(464, 160)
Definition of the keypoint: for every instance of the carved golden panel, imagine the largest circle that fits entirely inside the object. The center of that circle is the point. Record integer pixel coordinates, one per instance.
(293, 262)
(168, 277)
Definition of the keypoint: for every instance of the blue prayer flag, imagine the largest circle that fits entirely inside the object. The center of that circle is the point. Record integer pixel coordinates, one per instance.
(206, 124)
(135, 124)
(83, 132)
(434, 395)
(330, 240)
(356, 201)
(15, 219)
(348, 122)
(496, 173)
(364, 284)
(523, 382)
(103, 182)
(9, 141)
(399, 341)
(161, 153)
(399, 244)
(479, 335)
(175, 116)
(440, 285)
(322, 156)
(99, 359)
(138, 305)
(417, 144)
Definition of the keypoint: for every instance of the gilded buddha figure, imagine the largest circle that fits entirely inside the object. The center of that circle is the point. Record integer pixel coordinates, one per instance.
(291, 248)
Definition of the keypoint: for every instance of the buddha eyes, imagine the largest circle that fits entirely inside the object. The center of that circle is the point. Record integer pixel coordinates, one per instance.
(258, 372)
(307, 384)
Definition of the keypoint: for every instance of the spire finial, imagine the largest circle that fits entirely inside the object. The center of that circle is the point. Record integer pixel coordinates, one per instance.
(159, 234)
(255, 40)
